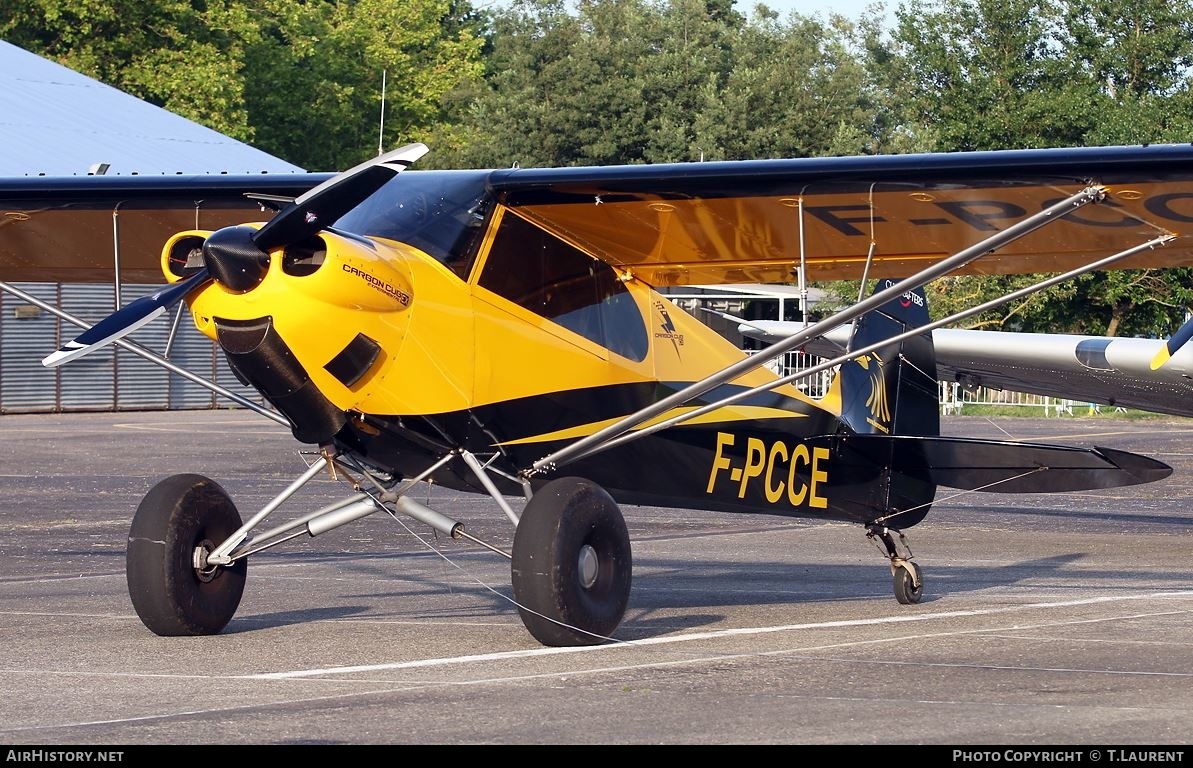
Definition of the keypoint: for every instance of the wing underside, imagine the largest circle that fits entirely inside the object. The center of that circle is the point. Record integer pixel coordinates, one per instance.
(760, 221)
(835, 218)
(91, 229)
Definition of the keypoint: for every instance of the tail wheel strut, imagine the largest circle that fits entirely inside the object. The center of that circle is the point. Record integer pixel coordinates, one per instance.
(906, 577)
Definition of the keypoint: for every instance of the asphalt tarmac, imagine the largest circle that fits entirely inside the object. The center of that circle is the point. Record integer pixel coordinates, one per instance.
(1057, 619)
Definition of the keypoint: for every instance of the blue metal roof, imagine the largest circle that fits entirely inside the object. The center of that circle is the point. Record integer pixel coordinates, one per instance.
(57, 122)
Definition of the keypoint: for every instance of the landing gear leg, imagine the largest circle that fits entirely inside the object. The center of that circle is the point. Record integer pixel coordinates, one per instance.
(906, 576)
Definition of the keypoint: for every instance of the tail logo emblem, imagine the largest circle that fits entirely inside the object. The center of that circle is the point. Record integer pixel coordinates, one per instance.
(878, 402)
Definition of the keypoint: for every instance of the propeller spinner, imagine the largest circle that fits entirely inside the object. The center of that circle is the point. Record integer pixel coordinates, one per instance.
(237, 257)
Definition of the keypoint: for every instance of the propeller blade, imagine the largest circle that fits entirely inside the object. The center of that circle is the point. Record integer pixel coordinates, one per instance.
(1175, 342)
(322, 205)
(125, 320)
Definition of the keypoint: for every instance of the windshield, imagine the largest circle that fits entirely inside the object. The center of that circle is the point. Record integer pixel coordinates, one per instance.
(439, 212)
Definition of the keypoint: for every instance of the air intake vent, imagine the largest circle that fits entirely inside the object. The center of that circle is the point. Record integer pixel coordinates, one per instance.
(354, 360)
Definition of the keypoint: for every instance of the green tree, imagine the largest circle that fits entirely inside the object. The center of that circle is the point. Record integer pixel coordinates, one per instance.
(1148, 303)
(508, 119)
(1135, 55)
(987, 74)
(689, 56)
(628, 81)
(984, 75)
(796, 89)
(320, 71)
(164, 51)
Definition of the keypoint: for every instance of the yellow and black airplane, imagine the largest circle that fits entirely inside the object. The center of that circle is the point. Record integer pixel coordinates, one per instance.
(502, 332)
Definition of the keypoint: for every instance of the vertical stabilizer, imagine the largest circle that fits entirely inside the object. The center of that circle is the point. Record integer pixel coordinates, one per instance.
(892, 390)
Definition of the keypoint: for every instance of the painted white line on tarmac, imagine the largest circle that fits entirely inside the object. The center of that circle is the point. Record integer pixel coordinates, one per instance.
(389, 686)
(191, 426)
(709, 635)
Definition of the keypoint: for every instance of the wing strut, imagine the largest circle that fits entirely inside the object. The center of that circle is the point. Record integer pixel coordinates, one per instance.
(1090, 194)
(849, 355)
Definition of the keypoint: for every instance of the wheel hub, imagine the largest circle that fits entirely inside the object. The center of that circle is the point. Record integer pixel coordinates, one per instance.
(589, 566)
(204, 570)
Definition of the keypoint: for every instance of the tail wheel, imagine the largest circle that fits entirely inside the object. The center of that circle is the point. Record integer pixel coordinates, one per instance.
(571, 564)
(909, 583)
(174, 591)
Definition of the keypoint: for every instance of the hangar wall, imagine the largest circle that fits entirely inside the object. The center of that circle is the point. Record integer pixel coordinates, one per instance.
(108, 379)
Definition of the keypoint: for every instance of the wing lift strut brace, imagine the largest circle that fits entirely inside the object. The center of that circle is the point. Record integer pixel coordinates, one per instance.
(620, 432)
(812, 370)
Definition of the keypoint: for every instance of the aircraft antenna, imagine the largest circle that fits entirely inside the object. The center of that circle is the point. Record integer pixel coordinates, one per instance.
(381, 129)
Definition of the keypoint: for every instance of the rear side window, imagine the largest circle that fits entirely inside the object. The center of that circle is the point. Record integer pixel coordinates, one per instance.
(545, 275)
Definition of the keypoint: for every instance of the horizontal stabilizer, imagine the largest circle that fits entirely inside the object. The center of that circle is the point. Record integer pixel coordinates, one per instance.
(1010, 467)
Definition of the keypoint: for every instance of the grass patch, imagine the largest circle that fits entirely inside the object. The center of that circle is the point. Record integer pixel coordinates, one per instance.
(1078, 411)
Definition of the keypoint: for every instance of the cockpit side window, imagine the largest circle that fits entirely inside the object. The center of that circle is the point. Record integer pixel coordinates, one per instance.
(541, 273)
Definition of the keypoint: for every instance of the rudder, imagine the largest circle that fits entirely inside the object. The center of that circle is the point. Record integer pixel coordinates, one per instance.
(892, 390)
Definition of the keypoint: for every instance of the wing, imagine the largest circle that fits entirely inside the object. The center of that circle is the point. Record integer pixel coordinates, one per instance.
(690, 223)
(1097, 369)
(759, 221)
(78, 229)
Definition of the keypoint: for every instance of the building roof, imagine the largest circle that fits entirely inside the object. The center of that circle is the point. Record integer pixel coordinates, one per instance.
(57, 122)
